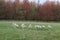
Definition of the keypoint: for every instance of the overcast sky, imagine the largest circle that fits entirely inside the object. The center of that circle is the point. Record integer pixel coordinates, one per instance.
(41, 1)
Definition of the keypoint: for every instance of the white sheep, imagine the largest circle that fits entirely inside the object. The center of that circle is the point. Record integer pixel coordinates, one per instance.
(23, 26)
(15, 25)
(30, 26)
(49, 26)
(43, 26)
(38, 27)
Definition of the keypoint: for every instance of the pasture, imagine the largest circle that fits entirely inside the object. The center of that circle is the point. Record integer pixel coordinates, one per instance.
(8, 32)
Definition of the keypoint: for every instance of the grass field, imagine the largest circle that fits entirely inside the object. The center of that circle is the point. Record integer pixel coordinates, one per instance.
(8, 32)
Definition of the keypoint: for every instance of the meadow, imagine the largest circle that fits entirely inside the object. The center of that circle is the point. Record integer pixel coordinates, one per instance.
(8, 32)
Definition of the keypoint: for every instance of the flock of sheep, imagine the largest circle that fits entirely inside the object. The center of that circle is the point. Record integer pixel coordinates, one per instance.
(30, 26)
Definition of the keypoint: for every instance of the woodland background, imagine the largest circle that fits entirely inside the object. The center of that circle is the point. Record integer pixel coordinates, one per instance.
(31, 11)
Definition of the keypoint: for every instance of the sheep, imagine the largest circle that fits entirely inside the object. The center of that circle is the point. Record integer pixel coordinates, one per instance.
(23, 26)
(15, 25)
(38, 27)
(49, 26)
(43, 26)
(30, 26)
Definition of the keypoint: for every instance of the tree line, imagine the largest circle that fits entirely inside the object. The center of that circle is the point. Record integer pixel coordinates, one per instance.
(48, 11)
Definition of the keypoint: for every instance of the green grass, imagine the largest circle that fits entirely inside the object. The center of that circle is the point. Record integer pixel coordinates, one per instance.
(8, 32)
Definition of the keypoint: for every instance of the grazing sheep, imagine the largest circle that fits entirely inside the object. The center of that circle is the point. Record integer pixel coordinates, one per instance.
(15, 25)
(23, 26)
(38, 27)
(30, 26)
(49, 26)
(43, 26)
